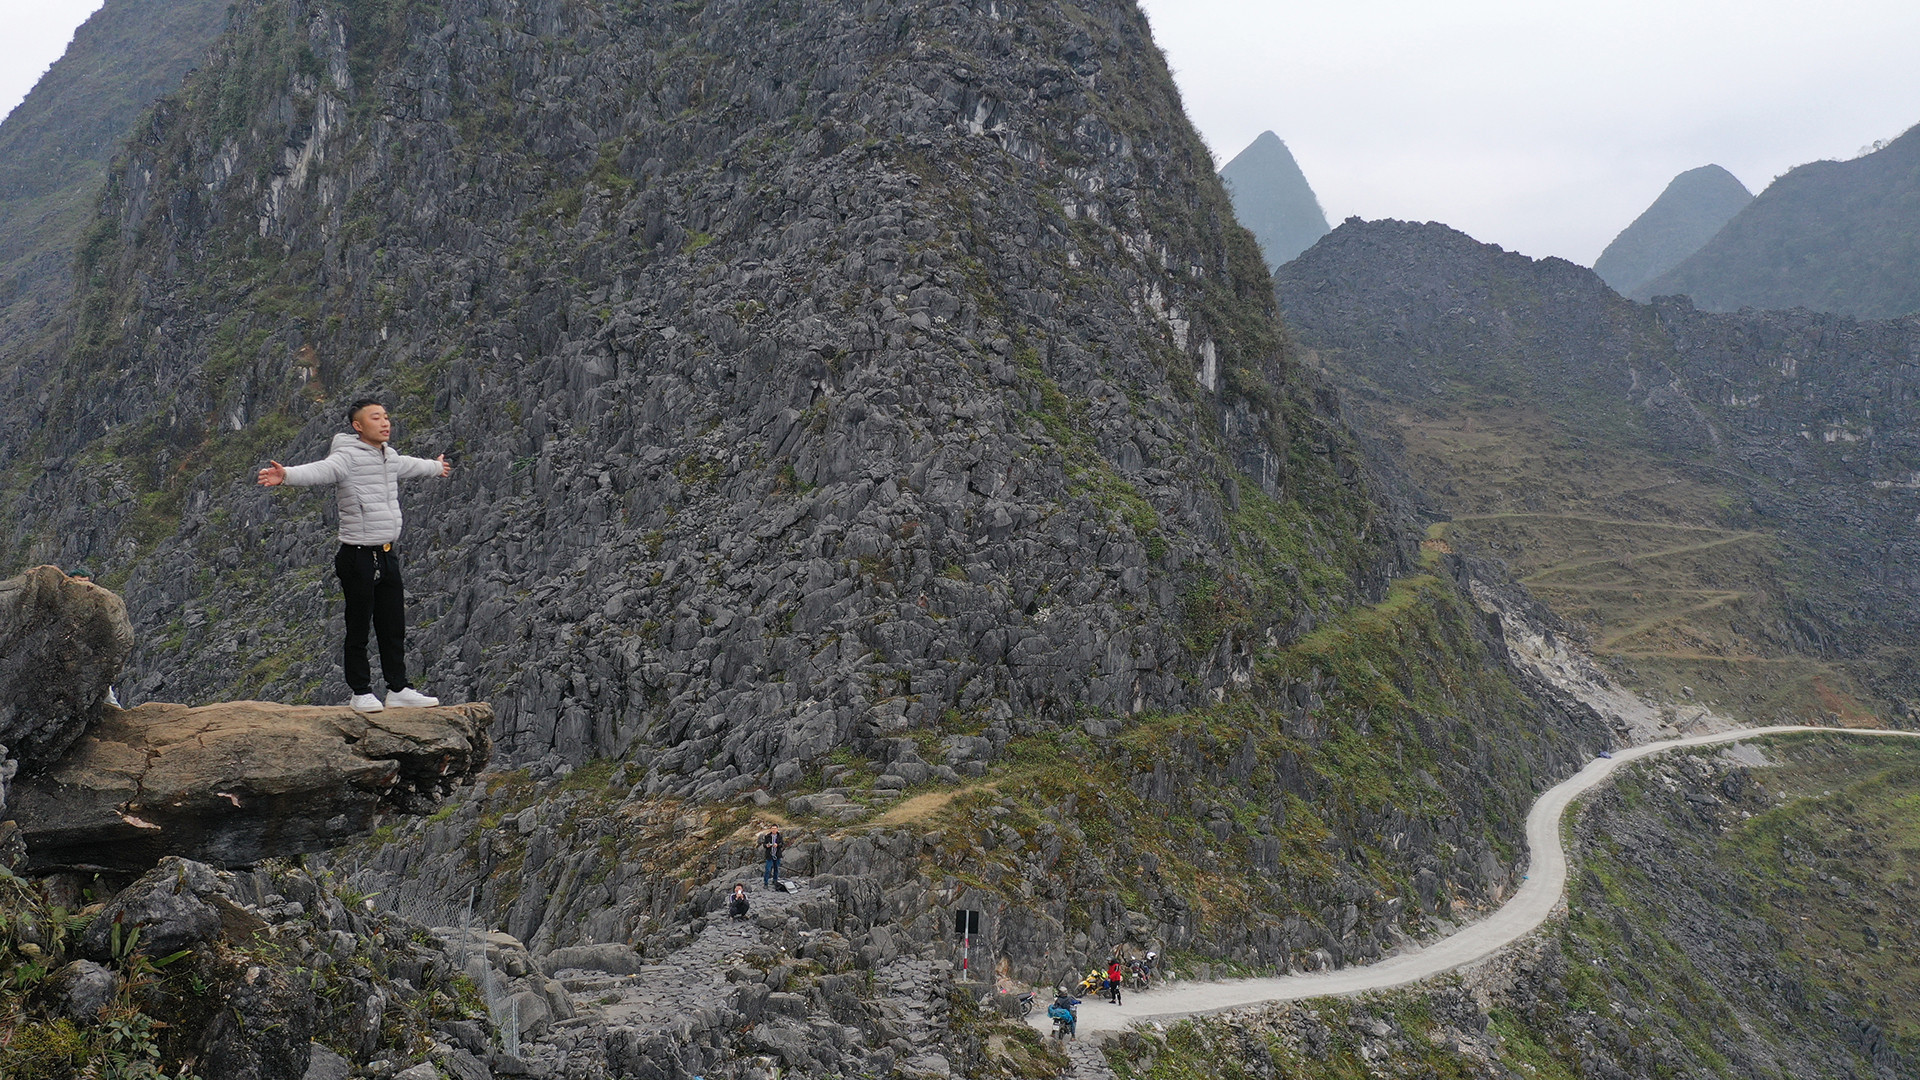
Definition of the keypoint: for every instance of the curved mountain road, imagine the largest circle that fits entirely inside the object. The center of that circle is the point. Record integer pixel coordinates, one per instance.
(1530, 905)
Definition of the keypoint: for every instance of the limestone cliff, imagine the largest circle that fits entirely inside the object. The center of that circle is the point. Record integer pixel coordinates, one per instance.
(808, 376)
(55, 146)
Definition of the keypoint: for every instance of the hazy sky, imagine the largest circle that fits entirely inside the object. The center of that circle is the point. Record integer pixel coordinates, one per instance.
(1542, 125)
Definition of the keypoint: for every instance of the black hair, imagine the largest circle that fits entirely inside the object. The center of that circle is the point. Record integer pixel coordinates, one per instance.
(353, 410)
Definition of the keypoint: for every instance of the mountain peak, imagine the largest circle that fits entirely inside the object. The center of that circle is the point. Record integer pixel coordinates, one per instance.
(1693, 207)
(1836, 236)
(1272, 198)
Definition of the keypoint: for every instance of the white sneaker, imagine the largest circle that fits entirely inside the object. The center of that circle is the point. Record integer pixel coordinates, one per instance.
(365, 703)
(409, 698)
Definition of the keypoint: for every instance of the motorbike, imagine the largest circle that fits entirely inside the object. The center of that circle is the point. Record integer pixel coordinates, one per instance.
(1026, 1003)
(1065, 1021)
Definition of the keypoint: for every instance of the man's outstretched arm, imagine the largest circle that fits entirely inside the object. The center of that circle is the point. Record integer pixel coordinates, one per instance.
(328, 470)
(419, 466)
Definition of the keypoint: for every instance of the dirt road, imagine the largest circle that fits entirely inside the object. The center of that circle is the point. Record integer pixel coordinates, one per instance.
(1530, 905)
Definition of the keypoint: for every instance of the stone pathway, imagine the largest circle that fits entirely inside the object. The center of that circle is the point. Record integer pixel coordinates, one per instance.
(1089, 1061)
(658, 997)
(694, 976)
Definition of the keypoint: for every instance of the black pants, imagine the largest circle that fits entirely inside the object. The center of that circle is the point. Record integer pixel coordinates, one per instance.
(370, 577)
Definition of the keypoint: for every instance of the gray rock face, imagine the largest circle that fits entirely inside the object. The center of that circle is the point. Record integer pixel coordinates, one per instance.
(867, 378)
(238, 782)
(1686, 215)
(170, 906)
(62, 641)
(1272, 198)
(83, 989)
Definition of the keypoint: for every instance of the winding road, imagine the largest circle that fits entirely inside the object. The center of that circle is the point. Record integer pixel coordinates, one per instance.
(1530, 905)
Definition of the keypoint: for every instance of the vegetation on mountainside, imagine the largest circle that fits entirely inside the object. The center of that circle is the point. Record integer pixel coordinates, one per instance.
(56, 144)
(1725, 919)
(160, 1009)
(1280, 799)
(1840, 236)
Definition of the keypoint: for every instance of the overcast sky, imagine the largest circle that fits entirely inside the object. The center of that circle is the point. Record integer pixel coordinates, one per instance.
(1544, 126)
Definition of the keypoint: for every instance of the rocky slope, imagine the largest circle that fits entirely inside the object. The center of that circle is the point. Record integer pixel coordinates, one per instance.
(1722, 500)
(869, 419)
(1736, 913)
(788, 408)
(55, 146)
(1272, 198)
(120, 957)
(1686, 215)
(1839, 236)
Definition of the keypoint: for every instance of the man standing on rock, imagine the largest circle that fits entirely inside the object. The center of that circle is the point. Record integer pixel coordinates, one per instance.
(366, 475)
(772, 845)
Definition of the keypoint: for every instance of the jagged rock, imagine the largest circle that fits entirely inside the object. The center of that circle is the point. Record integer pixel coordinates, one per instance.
(84, 988)
(62, 641)
(170, 906)
(324, 1064)
(461, 1065)
(263, 1030)
(612, 959)
(237, 782)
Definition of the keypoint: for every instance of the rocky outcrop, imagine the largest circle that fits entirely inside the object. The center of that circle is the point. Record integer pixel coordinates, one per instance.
(62, 641)
(1686, 215)
(1834, 236)
(234, 783)
(271, 974)
(1272, 198)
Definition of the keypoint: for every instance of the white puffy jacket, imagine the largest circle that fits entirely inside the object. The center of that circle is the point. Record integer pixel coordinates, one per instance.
(366, 479)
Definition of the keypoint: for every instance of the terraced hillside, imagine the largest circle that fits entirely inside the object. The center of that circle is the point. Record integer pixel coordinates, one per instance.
(1722, 503)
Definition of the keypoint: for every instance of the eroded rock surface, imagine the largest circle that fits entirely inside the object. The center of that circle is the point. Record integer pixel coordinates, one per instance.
(236, 782)
(62, 641)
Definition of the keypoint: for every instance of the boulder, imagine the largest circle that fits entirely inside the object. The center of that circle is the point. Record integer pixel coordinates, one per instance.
(233, 783)
(83, 988)
(62, 641)
(171, 906)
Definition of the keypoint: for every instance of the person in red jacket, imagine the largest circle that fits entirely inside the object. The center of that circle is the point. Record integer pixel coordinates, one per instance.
(1115, 976)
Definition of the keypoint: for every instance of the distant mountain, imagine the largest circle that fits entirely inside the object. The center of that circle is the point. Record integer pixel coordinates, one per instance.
(1724, 501)
(1840, 236)
(1686, 215)
(1272, 198)
(55, 145)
